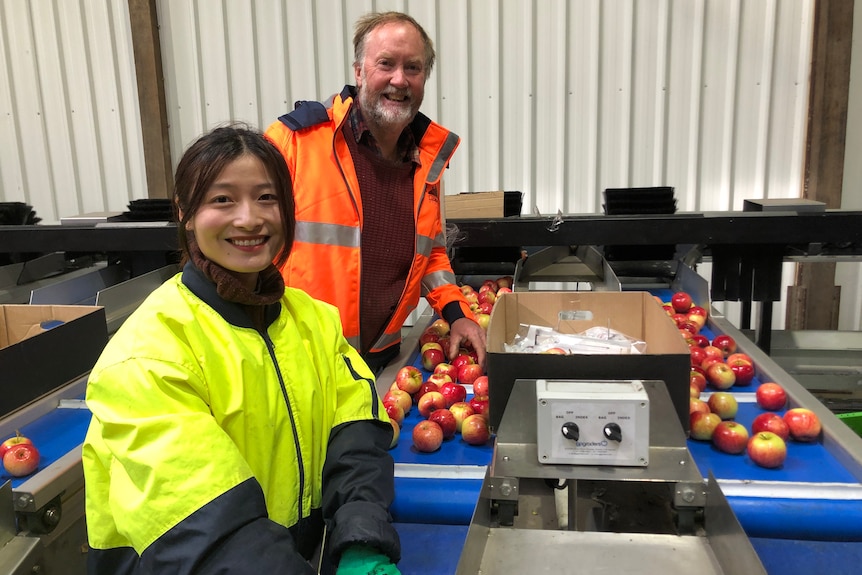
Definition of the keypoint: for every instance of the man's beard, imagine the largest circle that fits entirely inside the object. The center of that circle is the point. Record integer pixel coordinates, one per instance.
(375, 112)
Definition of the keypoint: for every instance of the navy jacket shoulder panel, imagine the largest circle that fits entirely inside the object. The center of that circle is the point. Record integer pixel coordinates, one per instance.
(305, 115)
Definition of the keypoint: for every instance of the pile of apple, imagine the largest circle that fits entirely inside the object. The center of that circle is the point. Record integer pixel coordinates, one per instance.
(20, 457)
(482, 301)
(766, 442)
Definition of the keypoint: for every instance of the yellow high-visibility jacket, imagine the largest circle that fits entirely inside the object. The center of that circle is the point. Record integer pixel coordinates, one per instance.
(216, 446)
(326, 256)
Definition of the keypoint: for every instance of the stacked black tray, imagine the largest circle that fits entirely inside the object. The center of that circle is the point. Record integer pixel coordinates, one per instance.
(639, 201)
(147, 210)
(17, 214)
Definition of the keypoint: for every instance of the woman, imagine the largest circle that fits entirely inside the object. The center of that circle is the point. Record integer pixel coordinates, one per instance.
(231, 419)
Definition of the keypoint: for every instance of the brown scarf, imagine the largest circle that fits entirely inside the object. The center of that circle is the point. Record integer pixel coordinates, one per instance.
(270, 284)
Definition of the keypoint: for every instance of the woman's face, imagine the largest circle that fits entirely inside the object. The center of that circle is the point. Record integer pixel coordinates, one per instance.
(238, 224)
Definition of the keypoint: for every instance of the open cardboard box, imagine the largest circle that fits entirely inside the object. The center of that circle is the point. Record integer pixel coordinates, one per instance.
(636, 314)
(43, 347)
(482, 205)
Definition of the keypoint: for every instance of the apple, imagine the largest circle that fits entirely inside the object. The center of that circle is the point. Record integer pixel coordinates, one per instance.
(771, 396)
(713, 351)
(483, 318)
(556, 351)
(475, 430)
(480, 385)
(697, 378)
(472, 298)
(503, 290)
(427, 436)
(694, 391)
(479, 403)
(400, 397)
(18, 439)
(739, 356)
(446, 369)
(438, 379)
(430, 345)
(409, 379)
(467, 288)
(444, 343)
(446, 421)
(504, 282)
(725, 343)
(668, 309)
(709, 362)
(767, 449)
(453, 392)
(396, 434)
(723, 404)
(489, 297)
(461, 411)
(430, 402)
(730, 437)
(698, 310)
(803, 423)
(681, 302)
(720, 376)
(429, 335)
(771, 421)
(469, 372)
(395, 412)
(431, 357)
(441, 325)
(679, 319)
(700, 340)
(743, 371)
(459, 360)
(697, 405)
(698, 354)
(691, 327)
(697, 315)
(488, 284)
(21, 459)
(702, 424)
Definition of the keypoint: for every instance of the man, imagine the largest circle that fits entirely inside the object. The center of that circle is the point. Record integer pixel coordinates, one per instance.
(366, 168)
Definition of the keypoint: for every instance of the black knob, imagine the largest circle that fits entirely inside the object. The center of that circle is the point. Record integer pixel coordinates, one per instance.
(613, 432)
(570, 431)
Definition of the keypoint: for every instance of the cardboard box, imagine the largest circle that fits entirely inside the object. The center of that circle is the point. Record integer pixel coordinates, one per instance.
(482, 205)
(637, 314)
(43, 347)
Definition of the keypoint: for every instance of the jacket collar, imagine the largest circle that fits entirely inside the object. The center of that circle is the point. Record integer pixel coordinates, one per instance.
(234, 313)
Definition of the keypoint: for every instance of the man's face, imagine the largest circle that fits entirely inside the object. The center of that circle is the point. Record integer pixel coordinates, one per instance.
(391, 77)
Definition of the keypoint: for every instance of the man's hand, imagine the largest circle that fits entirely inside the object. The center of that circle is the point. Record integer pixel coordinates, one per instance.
(465, 329)
(359, 560)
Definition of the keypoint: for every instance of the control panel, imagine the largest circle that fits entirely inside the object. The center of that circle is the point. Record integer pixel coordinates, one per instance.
(582, 422)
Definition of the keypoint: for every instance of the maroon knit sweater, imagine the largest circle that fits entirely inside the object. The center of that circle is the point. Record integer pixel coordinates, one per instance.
(388, 237)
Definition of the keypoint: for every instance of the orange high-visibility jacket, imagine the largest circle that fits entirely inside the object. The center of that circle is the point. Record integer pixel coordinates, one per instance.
(325, 260)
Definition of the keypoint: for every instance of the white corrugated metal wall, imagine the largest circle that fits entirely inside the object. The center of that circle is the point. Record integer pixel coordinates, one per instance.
(559, 99)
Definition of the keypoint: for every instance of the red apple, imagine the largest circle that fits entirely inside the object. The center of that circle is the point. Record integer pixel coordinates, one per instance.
(697, 315)
(18, 439)
(489, 297)
(679, 319)
(723, 404)
(556, 351)
(713, 351)
(479, 403)
(698, 354)
(700, 340)
(430, 402)
(446, 421)
(702, 424)
(441, 325)
(468, 373)
(771, 421)
(431, 357)
(803, 423)
(725, 343)
(698, 310)
(446, 369)
(474, 429)
(461, 411)
(709, 362)
(697, 405)
(453, 392)
(461, 359)
(480, 385)
(409, 379)
(488, 284)
(21, 459)
(697, 378)
(439, 379)
(767, 449)
(743, 371)
(396, 434)
(771, 396)
(444, 343)
(681, 302)
(730, 437)
(395, 412)
(429, 335)
(739, 356)
(691, 327)
(503, 290)
(427, 436)
(720, 376)
(400, 397)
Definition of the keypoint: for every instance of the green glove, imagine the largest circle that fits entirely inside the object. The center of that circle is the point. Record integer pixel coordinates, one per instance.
(361, 560)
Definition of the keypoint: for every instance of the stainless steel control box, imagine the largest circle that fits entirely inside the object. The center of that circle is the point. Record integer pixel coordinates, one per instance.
(592, 422)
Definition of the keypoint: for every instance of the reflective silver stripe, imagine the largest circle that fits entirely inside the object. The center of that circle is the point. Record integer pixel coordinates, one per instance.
(435, 280)
(446, 151)
(424, 245)
(354, 341)
(327, 234)
(387, 339)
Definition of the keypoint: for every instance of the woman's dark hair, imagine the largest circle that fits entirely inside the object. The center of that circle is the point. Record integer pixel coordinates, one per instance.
(205, 159)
